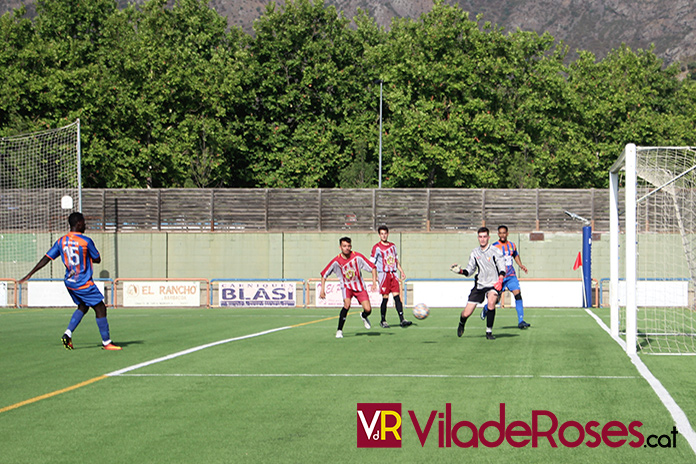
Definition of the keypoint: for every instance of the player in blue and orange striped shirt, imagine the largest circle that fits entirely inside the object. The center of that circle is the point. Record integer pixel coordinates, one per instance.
(78, 252)
(510, 282)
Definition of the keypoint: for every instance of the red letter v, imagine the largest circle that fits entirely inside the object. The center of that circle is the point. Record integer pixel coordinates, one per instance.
(422, 434)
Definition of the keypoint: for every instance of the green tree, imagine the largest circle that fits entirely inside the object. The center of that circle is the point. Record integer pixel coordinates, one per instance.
(625, 97)
(306, 80)
(161, 109)
(466, 101)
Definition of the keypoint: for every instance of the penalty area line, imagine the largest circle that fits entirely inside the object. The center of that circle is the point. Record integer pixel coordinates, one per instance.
(192, 350)
(209, 345)
(151, 362)
(679, 416)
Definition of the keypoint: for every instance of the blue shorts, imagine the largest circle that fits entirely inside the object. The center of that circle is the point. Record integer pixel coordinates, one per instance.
(511, 283)
(90, 296)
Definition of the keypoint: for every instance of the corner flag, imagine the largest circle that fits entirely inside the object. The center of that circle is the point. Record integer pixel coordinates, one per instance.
(578, 262)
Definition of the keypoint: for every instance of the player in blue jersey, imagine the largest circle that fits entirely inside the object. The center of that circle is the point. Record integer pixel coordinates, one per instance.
(511, 283)
(78, 252)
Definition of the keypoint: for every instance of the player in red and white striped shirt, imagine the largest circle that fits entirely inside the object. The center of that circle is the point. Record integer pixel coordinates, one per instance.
(347, 266)
(386, 259)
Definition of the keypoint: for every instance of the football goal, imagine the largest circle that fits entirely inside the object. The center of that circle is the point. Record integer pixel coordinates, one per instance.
(40, 185)
(653, 249)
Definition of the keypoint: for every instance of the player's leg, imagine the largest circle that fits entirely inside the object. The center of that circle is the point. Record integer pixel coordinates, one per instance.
(396, 294)
(466, 312)
(103, 325)
(492, 297)
(91, 296)
(475, 298)
(343, 314)
(514, 286)
(364, 300)
(384, 291)
(400, 310)
(75, 320)
(383, 312)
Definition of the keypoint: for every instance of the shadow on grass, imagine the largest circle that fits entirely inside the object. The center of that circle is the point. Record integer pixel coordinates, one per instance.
(121, 344)
(133, 342)
(514, 327)
(505, 335)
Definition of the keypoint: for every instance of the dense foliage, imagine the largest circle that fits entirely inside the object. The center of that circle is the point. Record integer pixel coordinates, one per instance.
(172, 97)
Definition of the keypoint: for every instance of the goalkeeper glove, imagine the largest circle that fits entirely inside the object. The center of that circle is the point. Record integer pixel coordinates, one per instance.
(456, 269)
(499, 284)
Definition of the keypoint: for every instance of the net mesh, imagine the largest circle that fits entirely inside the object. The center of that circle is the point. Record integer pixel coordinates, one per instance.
(37, 171)
(666, 236)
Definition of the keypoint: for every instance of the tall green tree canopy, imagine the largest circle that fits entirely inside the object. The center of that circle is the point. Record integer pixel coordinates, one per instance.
(170, 96)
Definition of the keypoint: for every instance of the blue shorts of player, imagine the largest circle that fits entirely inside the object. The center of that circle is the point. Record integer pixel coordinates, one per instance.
(90, 296)
(511, 283)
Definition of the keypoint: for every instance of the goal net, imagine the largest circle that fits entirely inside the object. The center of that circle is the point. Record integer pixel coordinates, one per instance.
(40, 185)
(653, 249)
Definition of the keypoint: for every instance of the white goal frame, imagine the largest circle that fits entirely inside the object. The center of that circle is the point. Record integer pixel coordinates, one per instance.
(627, 165)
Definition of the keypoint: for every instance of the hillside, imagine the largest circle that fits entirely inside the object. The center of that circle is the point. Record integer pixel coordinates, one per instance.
(595, 25)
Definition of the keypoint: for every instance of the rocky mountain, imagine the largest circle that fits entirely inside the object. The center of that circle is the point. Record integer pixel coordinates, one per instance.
(595, 25)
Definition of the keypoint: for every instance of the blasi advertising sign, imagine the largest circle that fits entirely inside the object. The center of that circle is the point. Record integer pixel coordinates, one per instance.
(257, 294)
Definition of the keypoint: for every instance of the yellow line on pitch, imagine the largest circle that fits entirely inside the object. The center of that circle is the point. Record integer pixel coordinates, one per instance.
(101, 377)
(49, 395)
(320, 320)
(313, 322)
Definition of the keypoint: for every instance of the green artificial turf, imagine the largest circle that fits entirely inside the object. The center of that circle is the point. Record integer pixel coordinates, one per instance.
(291, 395)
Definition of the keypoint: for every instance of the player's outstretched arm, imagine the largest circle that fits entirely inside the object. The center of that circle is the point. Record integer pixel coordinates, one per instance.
(519, 263)
(42, 262)
(458, 270)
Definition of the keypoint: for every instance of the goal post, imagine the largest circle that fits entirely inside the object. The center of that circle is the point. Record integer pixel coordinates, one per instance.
(653, 249)
(40, 185)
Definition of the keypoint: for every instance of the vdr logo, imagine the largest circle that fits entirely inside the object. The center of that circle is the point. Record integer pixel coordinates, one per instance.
(379, 425)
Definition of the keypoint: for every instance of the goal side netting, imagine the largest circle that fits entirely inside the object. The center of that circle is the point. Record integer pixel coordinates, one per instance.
(653, 249)
(40, 185)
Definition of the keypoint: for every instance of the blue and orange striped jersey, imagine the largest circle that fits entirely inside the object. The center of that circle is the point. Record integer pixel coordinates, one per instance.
(509, 252)
(77, 252)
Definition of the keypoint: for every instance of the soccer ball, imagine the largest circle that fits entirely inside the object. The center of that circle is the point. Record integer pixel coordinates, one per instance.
(420, 311)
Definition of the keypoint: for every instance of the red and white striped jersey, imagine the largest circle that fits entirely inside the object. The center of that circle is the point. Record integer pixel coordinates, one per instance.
(384, 257)
(348, 270)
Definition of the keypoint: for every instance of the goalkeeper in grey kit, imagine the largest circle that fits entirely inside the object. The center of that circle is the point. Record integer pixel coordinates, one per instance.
(488, 283)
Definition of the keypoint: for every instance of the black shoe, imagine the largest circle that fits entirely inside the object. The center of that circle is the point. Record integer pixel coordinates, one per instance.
(384, 325)
(67, 342)
(490, 336)
(405, 323)
(460, 330)
(523, 325)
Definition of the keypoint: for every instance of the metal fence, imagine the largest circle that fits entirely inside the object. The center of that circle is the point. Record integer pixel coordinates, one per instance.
(239, 210)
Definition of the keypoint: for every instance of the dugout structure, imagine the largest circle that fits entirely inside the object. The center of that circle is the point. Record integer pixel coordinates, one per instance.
(653, 249)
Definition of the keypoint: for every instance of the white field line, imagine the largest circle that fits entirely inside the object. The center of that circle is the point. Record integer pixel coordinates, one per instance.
(191, 350)
(682, 422)
(669, 354)
(434, 376)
